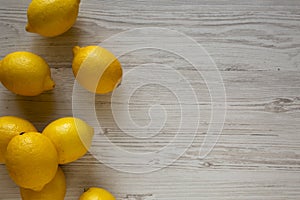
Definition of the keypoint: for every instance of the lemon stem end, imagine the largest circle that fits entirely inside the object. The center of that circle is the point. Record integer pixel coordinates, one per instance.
(76, 50)
(28, 28)
(49, 84)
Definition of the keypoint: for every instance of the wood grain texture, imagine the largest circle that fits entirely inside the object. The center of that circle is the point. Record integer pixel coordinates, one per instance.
(256, 47)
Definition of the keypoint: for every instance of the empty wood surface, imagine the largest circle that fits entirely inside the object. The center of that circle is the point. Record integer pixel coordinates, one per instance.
(256, 47)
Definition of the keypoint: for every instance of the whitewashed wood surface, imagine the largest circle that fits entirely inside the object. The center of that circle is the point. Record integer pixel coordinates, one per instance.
(256, 46)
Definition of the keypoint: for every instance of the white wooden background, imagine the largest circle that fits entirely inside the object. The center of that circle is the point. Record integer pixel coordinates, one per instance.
(256, 46)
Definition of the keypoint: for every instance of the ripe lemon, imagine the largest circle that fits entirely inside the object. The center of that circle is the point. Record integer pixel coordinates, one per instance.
(54, 190)
(11, 126)
(25, 73)
(71, 136)
(51, 18)
(96, 193)
(31, 160)
(96, 69)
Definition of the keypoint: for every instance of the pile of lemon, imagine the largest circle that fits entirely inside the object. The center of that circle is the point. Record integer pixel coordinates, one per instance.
(32, 159)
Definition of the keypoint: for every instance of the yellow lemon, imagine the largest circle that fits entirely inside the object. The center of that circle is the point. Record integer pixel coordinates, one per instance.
(71, 136)
(51, 18)
(96, 69)
(11, 126)
(25, 73)
(54, 190)
(31, 160)
(96, 193)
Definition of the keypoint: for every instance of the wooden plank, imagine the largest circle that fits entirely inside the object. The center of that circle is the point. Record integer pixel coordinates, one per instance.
(256, 47)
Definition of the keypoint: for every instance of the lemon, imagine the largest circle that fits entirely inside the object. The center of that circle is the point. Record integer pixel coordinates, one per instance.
(54, 190)
(31, 160)
(96, 193)
(11, 126)
(51, 18)
(71, 136)
(25, 73)
(96, 69)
